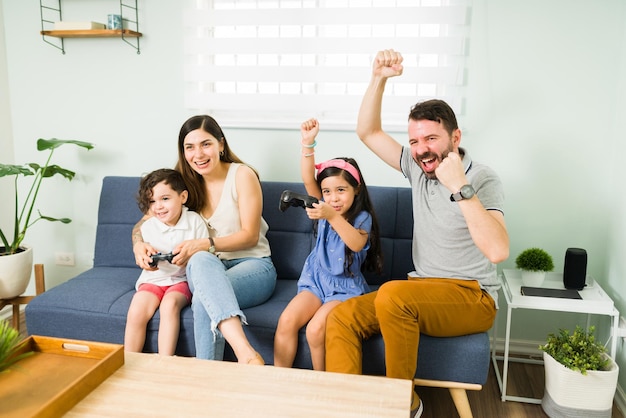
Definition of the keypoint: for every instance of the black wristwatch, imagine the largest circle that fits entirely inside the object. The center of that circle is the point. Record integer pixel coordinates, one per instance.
(212, 247)
(466, 192)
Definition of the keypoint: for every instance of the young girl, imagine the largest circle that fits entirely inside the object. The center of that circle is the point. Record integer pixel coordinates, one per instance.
(163, 194)
(347, 239)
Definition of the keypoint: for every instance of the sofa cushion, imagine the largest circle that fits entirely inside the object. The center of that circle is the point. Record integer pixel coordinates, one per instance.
(117, 214)
(290, 232)
(455, 359)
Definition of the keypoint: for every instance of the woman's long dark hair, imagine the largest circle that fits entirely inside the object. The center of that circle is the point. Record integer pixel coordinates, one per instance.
(374, 259)
(195, 182)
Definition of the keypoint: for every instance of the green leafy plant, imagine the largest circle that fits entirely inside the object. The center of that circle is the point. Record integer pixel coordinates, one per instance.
(578, 351)
(24, 211)
(534, 259)
(10, 345)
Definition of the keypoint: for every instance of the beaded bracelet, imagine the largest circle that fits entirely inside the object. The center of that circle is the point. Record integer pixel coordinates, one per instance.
(309, 146)
(309, 154)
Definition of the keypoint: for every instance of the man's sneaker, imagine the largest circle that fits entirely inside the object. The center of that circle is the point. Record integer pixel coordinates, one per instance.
(417, 412)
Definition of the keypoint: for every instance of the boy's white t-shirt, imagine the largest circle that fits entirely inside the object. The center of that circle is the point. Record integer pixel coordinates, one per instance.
(164, 238)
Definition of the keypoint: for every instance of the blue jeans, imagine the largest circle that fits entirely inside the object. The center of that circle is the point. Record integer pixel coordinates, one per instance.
(221, 288)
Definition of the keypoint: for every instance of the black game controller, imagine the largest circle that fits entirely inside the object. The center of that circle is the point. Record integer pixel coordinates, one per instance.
(289, 198)
(160, 257)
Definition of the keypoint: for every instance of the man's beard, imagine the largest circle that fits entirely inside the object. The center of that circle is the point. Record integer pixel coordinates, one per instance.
(428, 155)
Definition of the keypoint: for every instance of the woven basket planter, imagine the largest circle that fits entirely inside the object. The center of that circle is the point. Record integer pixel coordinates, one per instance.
(569, 393)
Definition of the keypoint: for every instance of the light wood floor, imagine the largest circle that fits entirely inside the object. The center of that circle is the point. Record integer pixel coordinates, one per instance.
(524, 380)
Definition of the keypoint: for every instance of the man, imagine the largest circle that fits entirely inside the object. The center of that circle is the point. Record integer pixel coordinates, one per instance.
(459, 235)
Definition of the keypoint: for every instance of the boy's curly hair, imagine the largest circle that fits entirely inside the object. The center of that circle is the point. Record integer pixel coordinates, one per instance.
(171, 177)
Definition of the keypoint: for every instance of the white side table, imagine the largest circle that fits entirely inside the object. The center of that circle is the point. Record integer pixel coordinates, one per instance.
(594, 301)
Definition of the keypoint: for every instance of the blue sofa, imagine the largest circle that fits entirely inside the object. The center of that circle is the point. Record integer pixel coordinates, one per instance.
(93, 305)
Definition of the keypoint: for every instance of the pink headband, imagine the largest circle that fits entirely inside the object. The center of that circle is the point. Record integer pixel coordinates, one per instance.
(341, 164)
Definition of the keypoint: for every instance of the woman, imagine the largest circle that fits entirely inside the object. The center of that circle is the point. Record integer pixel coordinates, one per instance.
(231, 269)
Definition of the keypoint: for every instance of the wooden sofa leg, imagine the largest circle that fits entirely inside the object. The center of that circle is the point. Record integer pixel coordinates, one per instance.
(457, 391)
(459, 396)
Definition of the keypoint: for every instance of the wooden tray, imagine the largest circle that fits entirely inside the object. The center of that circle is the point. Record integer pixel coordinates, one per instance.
(56, 377)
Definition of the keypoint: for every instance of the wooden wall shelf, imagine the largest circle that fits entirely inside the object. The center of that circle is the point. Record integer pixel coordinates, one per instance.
(50, 12)
(91, 33)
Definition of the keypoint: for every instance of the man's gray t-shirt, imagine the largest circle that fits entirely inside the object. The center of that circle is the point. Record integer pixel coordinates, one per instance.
(442, 244)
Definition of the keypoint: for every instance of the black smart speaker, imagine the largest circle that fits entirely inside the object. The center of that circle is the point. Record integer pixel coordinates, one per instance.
(575, 270)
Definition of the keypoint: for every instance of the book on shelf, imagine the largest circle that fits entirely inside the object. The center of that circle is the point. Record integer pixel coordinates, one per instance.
(78, 25)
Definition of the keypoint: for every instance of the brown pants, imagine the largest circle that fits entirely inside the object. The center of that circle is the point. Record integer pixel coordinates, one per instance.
(400, 310)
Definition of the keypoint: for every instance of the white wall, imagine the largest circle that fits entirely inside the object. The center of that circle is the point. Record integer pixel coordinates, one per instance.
(616, 251)
(6, 139)
(544, 91)
(546, 99)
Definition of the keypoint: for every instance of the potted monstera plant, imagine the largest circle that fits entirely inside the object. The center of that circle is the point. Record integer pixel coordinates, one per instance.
(580, 377)
(534, 263)
(16, 259)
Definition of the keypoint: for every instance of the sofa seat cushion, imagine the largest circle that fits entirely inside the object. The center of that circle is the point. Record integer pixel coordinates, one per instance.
(93, 307)
(457, 359)
(445, 360)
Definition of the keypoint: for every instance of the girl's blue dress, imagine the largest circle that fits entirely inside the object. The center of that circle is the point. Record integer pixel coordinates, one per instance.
(324, 273)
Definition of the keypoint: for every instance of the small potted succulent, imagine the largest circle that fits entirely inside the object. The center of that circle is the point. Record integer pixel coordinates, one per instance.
(534, 263)
(580, 377)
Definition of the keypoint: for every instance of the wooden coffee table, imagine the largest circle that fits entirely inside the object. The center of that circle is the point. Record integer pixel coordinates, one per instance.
(149, 385)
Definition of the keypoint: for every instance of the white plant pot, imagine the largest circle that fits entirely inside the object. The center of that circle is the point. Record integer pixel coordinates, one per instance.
(569, 393)
(533, 278)
(15, 271)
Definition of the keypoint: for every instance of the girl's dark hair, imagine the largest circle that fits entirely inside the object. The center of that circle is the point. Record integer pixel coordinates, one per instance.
(362, 202)
(170, 177)
(197, 191)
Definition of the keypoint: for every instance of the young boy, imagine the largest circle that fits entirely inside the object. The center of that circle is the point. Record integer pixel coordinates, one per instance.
(162, 194)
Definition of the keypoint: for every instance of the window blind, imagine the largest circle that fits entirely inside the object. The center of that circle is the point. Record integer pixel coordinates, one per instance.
(275, 63)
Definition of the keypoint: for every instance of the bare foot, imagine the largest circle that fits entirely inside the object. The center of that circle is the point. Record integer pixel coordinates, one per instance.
(256, 360)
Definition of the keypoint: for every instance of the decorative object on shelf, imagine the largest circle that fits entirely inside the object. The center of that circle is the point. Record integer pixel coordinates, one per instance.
(114, 22)
(534, 263)
(10, 284)
(64, 25)
(580, 377)
(10, 344)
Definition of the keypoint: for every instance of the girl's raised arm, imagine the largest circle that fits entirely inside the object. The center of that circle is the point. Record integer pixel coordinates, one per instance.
(309, 130)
